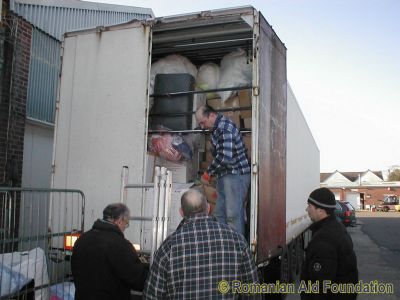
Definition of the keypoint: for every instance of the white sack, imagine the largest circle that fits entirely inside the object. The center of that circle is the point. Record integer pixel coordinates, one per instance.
(63, 291)
(208, 76)
(171, 64)
(31, 264)
(10, 281)
(234, 72)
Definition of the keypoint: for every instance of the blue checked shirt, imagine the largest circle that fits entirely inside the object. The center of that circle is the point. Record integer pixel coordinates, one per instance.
(229, 152)
(199, 254)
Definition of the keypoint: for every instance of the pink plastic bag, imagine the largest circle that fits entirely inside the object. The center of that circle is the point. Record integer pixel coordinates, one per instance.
(161, 144)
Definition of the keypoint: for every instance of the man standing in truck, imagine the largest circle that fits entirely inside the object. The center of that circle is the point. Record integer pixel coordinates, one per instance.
(230, 165)
(330, 258)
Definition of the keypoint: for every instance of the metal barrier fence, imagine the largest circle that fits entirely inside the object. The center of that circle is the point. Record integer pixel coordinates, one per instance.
(36, 229)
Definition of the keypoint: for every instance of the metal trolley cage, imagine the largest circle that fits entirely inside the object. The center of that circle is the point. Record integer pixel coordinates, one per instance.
(37, 227)
(160, 207)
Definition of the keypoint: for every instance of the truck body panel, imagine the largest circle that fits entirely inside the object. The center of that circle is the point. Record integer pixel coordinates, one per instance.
(271, 143)
(100, 87)
(302, 169)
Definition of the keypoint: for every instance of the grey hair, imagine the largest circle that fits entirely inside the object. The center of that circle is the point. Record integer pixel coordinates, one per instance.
(115, 211)
(193, 202)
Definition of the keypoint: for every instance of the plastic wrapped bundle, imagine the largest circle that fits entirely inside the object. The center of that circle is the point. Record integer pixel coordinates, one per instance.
(170, 146)
(235, 71)
(207, 78)
(171, 64)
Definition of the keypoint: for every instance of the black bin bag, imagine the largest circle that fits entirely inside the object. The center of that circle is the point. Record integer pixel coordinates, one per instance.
(163, 107)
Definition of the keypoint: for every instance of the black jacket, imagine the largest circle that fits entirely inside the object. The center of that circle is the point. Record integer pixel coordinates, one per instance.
(329, 257)
(105, 265)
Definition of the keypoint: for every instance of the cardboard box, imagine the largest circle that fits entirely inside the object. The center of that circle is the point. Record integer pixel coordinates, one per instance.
(217, 103)
(244, 101)
(247, 143)
(182, 172)
(234, 116)
(247, 122)
(204, 165)
(209, 157)
(208, 144)
(198, 100)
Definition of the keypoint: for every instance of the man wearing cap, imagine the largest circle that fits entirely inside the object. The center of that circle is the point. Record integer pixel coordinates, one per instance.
(330, 258)
(230, 165)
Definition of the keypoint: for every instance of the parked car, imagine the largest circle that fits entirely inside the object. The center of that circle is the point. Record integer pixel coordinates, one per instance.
(345, 213)
(389, 203)
(383, 208)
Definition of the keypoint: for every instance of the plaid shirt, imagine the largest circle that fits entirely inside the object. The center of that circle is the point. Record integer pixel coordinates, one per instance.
(200, 253)
(229, 152)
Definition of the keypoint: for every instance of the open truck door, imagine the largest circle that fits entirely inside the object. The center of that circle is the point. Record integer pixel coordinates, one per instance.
(271, 143)
(101, 121)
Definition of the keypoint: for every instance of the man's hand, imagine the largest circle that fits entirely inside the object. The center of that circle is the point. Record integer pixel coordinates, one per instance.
(205, 178)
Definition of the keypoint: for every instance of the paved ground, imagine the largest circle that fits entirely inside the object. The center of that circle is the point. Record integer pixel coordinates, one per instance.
(383, 229)
(372, 263)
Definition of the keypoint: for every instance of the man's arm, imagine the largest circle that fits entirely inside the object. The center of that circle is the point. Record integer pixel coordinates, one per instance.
(127, 265)
(248, 272)
(224, 149)
(156, 284)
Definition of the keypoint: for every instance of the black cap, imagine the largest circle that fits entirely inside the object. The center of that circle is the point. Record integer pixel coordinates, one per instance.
(322, 198)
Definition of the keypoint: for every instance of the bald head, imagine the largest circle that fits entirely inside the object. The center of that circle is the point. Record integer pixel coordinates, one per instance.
(193, 202)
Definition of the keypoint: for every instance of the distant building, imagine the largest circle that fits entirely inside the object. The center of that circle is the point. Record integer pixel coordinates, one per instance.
(364, 190)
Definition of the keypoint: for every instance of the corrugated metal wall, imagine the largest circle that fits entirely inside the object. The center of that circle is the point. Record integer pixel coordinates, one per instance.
(56, 20)
(43, 76)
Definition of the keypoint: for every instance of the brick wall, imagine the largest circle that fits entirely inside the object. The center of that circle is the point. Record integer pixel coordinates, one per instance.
(14, 87)
(372, 195)
(16, 36)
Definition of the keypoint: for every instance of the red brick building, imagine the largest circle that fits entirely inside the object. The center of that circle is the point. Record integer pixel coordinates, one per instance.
(364, 190)
(16, 45)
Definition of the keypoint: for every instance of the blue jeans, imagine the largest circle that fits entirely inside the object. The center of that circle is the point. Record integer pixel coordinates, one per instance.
(229, 209)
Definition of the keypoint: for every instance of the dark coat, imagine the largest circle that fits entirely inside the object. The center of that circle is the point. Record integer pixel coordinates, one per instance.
(105, 265)
(329, 256)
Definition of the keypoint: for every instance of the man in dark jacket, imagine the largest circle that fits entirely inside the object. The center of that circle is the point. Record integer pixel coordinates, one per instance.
(104, 264)
(330, 259)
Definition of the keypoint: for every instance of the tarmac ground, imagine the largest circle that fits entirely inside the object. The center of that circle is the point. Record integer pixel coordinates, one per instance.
(370, 259)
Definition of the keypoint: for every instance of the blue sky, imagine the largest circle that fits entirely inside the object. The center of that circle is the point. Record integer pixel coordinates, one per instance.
(343, 65)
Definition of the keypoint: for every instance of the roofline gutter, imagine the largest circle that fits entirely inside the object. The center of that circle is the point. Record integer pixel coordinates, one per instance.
(391, 185)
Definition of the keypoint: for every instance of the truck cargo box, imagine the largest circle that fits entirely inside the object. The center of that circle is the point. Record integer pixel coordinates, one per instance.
(103, 115)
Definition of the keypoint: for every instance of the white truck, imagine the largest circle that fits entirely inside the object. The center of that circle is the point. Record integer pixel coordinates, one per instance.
(103, 120)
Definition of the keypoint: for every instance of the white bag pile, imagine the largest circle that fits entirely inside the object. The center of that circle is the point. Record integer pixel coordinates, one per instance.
(234, 71)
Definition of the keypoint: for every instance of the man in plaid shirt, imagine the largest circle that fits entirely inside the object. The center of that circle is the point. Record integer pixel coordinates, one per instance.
(230, 165)
(193, 261)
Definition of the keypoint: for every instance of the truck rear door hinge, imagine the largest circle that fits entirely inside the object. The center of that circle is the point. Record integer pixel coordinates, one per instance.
(256, 91)
(254, 169)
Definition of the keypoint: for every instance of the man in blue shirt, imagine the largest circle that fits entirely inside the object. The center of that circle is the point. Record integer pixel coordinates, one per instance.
(230, 165)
